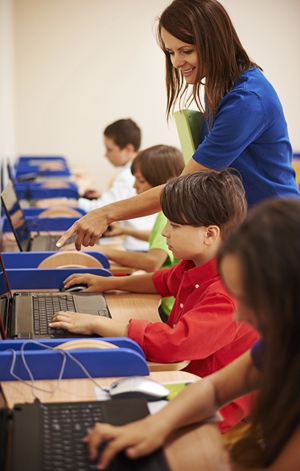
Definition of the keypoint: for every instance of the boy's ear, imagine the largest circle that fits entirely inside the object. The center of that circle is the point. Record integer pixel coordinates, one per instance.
(212, 235)
(130, 148)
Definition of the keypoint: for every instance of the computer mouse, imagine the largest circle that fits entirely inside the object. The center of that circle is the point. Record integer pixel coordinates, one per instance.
(73, 288)
(138, 386)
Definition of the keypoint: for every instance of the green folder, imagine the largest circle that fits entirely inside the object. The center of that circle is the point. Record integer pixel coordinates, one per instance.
(189, 124)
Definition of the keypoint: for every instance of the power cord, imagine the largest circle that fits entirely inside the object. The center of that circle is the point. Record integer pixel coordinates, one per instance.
(64, 354)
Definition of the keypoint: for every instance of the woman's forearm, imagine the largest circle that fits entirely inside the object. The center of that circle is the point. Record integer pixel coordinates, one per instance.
(141, 205)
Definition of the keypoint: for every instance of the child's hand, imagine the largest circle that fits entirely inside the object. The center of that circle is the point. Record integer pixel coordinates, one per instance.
(95, 283)
(92, 193)
(74, 322)
(115, 230)
(138, 439)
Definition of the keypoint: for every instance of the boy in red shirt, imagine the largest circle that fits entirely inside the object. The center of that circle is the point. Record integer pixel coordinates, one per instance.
(200, 208)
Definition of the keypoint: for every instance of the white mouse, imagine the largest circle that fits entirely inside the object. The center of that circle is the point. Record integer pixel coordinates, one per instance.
(138, 386)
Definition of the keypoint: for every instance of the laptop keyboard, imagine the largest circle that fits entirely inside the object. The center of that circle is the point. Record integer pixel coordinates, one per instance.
(64, 426)
(44, 306)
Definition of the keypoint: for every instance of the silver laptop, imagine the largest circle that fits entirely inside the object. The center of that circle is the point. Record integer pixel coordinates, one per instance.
(26, 315)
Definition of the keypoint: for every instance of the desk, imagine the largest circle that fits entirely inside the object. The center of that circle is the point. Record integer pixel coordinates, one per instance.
(74, 389)
(125, 306)
(193, 448)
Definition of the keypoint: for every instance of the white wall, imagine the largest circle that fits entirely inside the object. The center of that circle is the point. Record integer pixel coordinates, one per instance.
(81, 64)
(7, 85)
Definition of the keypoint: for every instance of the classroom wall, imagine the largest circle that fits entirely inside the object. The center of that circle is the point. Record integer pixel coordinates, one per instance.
(81, 64)
(7, 84)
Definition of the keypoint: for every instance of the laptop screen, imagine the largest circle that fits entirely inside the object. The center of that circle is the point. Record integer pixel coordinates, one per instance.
(16, 217)
(4, 283)
(5, 294)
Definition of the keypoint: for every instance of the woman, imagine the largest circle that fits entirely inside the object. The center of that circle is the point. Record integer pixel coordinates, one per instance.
(245, 127)
(259, 264)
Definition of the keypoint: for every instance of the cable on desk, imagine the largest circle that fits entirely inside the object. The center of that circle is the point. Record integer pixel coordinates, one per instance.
(63, 353)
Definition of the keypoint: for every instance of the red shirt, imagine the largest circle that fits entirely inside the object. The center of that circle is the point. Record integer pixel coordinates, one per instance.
(200, 328)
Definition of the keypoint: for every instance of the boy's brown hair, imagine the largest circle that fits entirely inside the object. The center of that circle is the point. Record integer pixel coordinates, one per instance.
(205, 198)
(158, 164)
(123, 132)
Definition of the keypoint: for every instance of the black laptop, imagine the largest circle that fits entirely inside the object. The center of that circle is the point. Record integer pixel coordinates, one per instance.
(17, 219)
(26, 315)
(48, 437)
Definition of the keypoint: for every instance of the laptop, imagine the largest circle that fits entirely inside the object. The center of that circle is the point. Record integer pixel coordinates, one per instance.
(20, 228)
(56, 431)
(26, 315)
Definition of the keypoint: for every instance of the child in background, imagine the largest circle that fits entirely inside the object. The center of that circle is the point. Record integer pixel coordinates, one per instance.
(259, 263)
(122, 140)
(201, 208)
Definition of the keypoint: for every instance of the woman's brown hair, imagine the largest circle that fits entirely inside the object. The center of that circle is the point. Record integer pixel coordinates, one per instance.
(267, 247)
(158, 164)
(221, 56)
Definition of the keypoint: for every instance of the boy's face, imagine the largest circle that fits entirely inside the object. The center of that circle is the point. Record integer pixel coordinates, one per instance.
(117, 156)
(187, 242)
(140, 183)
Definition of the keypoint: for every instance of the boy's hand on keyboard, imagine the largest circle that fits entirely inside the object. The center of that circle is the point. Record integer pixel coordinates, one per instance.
(74, 322)
(88, 324)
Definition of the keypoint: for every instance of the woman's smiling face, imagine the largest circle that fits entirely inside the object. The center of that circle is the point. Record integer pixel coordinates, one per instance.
(182, 55)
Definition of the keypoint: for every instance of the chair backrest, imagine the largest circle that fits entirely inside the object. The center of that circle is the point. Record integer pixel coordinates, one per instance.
(55, 184)
(296, 165)
(180, 365)
(70, 259)
(189, 125)
(59, 212)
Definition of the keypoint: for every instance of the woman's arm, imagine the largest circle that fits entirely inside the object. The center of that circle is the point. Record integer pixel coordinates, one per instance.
(91, 226)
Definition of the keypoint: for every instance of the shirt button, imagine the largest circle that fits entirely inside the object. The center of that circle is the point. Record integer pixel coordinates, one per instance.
(174, 325)
(181, 305)
(196, 286)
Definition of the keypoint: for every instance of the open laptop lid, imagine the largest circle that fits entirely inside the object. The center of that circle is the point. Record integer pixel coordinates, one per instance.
(5, 295)
(16, 216)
